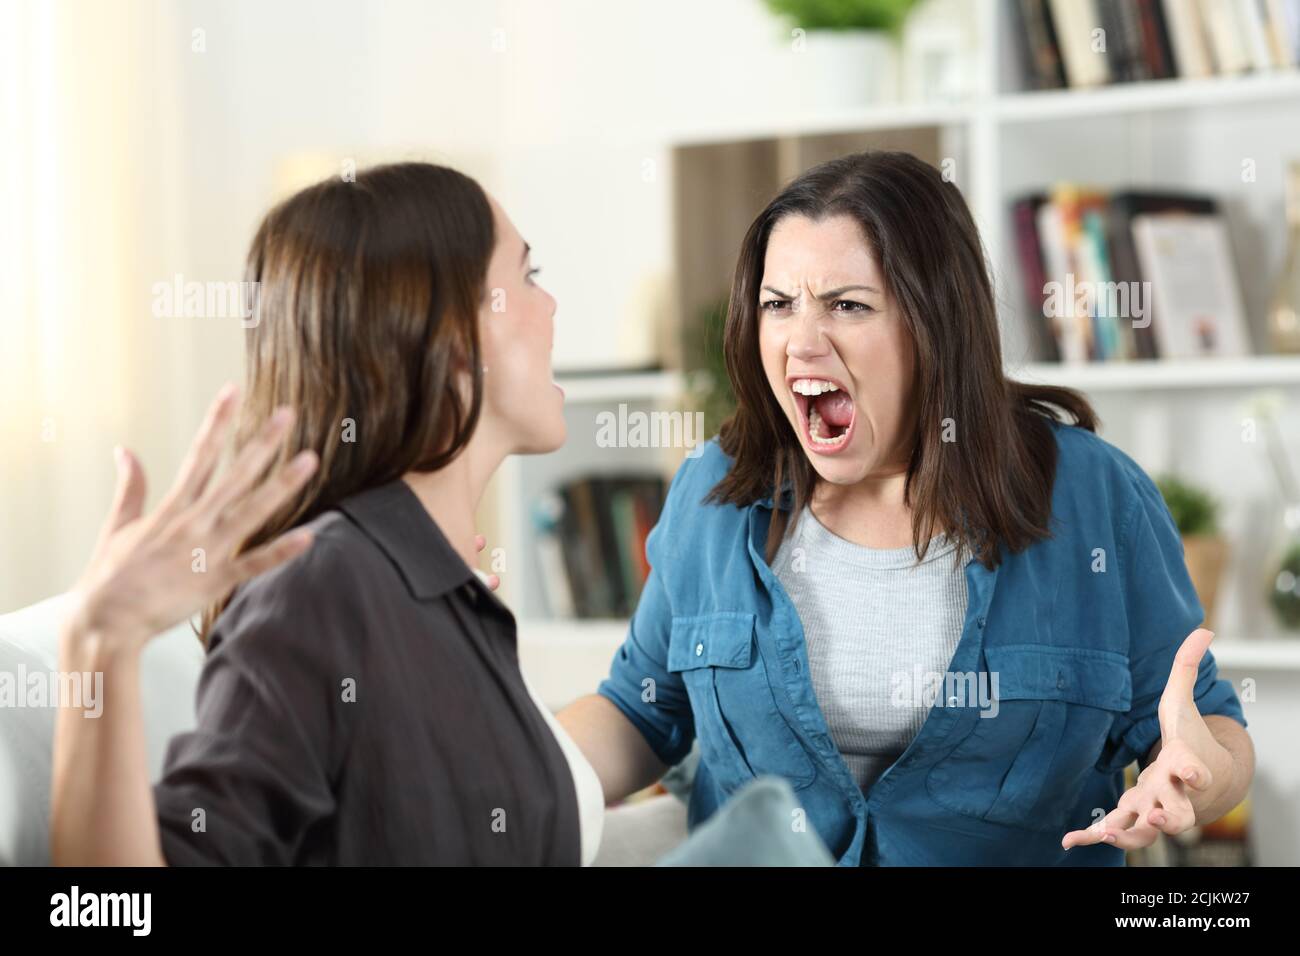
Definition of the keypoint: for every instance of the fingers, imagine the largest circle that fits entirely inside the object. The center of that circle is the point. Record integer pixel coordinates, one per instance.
(1135, 837)
(1093, 834)
(491, 580)
(1186, 666)
(260, 560)
(248, 466)
(128, 498)
(204, 451)
(1172, 814)
(268, 497)
(1140, 815)
(1179, 764)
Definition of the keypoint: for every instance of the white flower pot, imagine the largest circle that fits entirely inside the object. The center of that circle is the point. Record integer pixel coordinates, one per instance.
(842, 69)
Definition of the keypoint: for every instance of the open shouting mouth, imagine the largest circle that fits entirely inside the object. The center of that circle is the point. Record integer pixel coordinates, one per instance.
(826, 412)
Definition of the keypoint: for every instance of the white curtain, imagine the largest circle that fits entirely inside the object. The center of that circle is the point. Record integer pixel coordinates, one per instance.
(90, 218)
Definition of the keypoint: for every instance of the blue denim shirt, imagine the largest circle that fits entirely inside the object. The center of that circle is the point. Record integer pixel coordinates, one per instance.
(1080, 630)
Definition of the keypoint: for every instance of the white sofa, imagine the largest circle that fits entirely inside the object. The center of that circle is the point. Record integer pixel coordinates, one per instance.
(634, 834)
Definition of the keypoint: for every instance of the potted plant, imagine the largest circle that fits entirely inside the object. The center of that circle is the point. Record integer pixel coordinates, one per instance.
(848, 48)
(1196, 515)
(706, 370)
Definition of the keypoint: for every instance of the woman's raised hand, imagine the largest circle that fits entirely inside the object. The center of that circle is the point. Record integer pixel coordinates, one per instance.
(150, 572)
(491, 580)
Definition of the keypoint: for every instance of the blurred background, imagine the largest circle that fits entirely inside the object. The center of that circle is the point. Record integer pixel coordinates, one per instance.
(1148, 147)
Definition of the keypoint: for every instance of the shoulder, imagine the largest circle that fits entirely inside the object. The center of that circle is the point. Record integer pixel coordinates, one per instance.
(707, 466)
(307, 599)
(1090, 470)
(688, 510)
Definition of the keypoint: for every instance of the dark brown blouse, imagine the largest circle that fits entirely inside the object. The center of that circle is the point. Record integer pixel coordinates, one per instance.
(363, 704)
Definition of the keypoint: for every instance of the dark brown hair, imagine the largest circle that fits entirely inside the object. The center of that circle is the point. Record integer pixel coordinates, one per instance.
(368, 295)
(990, 486)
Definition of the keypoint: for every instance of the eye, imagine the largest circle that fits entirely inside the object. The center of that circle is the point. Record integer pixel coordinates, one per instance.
(848, 305)
(532, 273)
(774, 305)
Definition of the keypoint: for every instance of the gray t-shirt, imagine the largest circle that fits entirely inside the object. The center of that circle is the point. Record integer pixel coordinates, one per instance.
(879, 627)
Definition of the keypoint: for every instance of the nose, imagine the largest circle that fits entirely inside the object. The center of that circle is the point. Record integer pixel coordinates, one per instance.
(806, 338)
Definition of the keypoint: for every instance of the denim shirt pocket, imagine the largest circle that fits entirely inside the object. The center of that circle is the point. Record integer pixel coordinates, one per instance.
(741, 731)
(1025, 762)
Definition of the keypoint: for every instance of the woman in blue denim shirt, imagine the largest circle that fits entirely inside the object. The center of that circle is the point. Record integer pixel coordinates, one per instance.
(863, 348)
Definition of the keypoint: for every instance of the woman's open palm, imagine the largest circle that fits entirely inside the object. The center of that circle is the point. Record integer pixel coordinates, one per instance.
(150, 572)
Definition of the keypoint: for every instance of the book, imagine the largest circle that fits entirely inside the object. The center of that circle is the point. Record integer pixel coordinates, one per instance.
(1283, 30)
(1187, 37)
(1156, 47)
(1251, 18)
(1091, 297)
(1078, 26)
(1040, 56)
(1196, 302)
(1033, 274)
(591, 543)
(1224, 29)
(553, 575)
(1124, 206)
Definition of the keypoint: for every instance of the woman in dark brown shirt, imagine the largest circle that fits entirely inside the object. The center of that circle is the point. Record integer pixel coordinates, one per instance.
(361, 700)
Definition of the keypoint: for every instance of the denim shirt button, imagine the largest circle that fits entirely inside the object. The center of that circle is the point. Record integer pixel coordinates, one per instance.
(979, 622)
(699, 650)
(1060, 681)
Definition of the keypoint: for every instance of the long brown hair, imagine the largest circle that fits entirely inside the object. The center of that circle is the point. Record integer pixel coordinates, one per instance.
(992, 485)
(366, 313)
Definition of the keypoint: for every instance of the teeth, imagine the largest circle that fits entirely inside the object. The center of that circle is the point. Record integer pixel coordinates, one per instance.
(815, 427)
(813, 386)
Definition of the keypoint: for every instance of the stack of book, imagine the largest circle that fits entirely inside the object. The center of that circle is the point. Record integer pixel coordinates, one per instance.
(591, 535)
(1128, 275)
(1079, 43)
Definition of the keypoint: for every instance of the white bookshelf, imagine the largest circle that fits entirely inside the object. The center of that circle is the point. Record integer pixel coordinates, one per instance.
(1171, 375)
(1005, 142)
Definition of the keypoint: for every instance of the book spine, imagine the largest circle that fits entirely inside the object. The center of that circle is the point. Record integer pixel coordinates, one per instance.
(1038, 44)
(1187, 38)
(1224, 30)
(1075, 22)
(1033, 275)
(1155, 40)
(1252, 22)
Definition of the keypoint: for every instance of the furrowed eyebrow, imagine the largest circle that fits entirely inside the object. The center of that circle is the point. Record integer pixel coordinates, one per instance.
(834, 293)
(828, 294)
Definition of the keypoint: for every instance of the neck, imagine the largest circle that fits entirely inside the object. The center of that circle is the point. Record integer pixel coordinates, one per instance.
(451, 495)
(870, 512)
